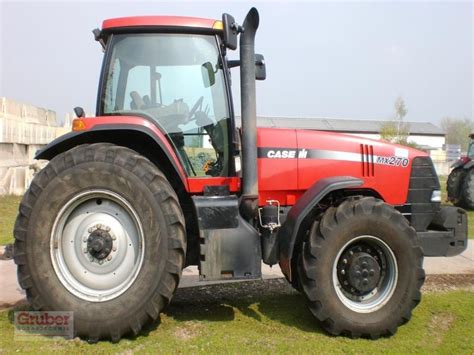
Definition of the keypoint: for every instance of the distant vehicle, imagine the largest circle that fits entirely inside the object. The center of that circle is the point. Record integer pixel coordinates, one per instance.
(460, 184)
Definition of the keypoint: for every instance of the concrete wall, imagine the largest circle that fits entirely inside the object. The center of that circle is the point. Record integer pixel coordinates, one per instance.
(23, 130)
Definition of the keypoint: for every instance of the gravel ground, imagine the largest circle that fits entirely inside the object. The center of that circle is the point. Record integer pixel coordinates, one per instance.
(249, 291)
(261, 288)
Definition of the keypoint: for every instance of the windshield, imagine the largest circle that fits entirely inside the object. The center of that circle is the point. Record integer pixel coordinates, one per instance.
(176, 80)
(470, 149)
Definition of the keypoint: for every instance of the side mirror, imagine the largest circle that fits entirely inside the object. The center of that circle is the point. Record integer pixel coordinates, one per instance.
(208, 75)
(260, 69)
(79, 111)
(231, 30)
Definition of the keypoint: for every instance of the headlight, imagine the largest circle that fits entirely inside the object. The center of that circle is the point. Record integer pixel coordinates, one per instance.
(436, 196)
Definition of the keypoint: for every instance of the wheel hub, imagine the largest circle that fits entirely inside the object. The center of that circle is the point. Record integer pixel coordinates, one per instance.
(360, 269)
(363, 272)
(99, 244)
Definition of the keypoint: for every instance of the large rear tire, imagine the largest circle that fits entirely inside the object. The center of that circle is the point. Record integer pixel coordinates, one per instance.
(467, 190)
(361, 269)
(100, 233)
(454, 186)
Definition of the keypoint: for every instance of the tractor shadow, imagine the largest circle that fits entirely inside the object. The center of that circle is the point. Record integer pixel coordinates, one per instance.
(259, 300)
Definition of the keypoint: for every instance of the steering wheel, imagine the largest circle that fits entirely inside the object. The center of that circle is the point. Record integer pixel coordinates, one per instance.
(197, 105)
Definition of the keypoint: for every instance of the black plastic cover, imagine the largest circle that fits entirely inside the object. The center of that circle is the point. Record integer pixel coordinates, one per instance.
(449, 236)
(229, 246)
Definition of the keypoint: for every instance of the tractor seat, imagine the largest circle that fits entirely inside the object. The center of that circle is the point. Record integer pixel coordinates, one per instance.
(137, 101)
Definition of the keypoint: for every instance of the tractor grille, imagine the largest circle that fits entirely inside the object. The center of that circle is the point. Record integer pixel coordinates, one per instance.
(367, 154)
(423, 180)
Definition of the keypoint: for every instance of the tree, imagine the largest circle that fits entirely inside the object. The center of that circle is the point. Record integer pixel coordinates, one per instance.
(400, 113)
(397, 131)
(457, 130)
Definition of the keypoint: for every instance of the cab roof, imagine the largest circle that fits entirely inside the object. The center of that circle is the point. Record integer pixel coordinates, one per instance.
(162, 22)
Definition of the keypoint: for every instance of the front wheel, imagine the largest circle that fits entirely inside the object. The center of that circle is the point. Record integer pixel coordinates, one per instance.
(100, 233)
(467, 190)
(454, 186)
(361, 269)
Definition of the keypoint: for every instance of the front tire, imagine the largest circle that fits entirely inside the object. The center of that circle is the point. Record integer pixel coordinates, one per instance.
(467, 190)
(100, 233)
(361, 269)
(454, 186)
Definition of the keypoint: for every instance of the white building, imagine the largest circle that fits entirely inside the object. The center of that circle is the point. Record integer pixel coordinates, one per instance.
(425, 134)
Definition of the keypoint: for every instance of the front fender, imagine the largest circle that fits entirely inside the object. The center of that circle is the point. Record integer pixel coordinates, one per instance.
(295, 222)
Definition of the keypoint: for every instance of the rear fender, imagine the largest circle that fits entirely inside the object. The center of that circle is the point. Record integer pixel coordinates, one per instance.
(458, 163)
(296, 222)
(144, 140)
(469, 165)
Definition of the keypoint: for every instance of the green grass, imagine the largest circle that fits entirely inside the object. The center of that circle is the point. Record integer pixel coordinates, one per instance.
(442, 323)
(8, 211)
(470, 224)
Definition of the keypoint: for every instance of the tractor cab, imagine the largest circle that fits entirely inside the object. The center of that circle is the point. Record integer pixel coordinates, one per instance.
(173, 72)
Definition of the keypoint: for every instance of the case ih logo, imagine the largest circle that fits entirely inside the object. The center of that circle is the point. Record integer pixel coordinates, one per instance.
(287, 154)
(43, 325)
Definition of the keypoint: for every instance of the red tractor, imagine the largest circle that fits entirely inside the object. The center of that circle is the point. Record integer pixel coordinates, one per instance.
(161, 179)
(460, 184)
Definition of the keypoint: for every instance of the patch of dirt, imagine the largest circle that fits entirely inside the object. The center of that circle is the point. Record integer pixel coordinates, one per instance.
(20, 305)
(439, 325)
(188, 331)
(7, 253)
(444, 283)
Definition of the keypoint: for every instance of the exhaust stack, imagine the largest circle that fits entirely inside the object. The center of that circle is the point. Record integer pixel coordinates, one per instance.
(249, 199)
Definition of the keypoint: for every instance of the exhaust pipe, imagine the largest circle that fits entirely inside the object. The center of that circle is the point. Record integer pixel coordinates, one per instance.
(249, 198)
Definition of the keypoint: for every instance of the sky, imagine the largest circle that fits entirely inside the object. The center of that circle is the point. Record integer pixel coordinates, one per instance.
(333, 59)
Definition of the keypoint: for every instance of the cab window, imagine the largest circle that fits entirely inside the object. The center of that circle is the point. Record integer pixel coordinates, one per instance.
(177, 80)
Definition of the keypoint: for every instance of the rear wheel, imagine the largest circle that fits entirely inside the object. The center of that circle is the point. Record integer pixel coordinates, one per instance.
(467, 190)
(361, 269)
(100, 233)
(454, 186)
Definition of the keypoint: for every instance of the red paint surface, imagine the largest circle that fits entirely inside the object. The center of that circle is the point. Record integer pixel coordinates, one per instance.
(389, 181)
(167, 21)
(196, 184)
(287, 179)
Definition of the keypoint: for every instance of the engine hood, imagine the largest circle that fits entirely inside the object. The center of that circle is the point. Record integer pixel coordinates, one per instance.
(296, 159)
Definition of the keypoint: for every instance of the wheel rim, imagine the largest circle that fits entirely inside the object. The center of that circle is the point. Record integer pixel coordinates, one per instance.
(365, 274)
(97, 245)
